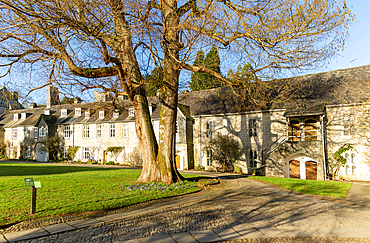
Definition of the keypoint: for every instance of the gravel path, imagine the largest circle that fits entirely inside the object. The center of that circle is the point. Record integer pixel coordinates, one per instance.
(246, 203)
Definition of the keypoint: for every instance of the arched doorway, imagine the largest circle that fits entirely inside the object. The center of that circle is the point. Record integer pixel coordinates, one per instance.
(294, 169)
(177, 159)
(311, 170)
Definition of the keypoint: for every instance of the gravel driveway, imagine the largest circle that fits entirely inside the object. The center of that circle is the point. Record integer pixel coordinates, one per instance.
(245, 202)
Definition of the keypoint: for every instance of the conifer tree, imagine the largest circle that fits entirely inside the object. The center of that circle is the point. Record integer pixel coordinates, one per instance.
(201, 81)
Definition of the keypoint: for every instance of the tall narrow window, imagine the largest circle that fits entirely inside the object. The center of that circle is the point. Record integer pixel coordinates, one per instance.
(347, 164)
(125, 130)
(209, 129)
(112, 130)
(252, 127)
(345, 119)
(15, 117)
(87, 114)
(209, 157)
(176, 127)
(345, 130)
(15, 133)
(36, 131)
(42, 132)
(28, 151)
(101, 114)
(86, 153)
(98, 131)
(86, 131)
(252, 158)
(66, 152)
(23, 116)
(293, 131)
(352, 119)
(352, 130)
(67, 132)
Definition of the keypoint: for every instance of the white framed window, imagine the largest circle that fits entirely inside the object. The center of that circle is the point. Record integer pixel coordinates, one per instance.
(352, 130)
(63, 112)
(131, 112)
(23, 116)
(101, 114)
(36, 132)
(86, 131)
(209, 129)
(112, 130)
(15, 117)
(252, 127)
(65, 152)
(86, 153)
(47, 112)
(77, 111)
(125, 130)
(42, 132)
(29, 151)
(87, 114)
(345, 119)
(67, 131)
(352, 119)
(345, 130)
(115, 114)
(98, 131)
(15, 132)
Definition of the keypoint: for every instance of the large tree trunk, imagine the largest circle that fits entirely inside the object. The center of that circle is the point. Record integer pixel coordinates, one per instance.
(158, 162)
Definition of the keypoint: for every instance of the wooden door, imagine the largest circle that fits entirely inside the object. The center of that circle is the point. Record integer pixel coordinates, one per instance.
(311, 170)
(177, 159)
(294, 169)
(105, 156)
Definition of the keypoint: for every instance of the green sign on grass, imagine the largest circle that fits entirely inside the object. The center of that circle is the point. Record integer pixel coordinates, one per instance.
(37, 184)
(29, 181)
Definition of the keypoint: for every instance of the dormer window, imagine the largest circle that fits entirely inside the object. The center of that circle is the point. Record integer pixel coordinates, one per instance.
(115, 114)
(78, 112)
(15, 117)
(42, 132)
(101, 114)
(131, 112)
(23, 116)
(63, 112)
(47, 112)
(87, 114)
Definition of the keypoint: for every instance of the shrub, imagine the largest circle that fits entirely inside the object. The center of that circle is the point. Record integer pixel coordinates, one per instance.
(110, 163)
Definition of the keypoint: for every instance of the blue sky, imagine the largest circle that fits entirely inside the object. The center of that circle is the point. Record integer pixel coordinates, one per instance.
(358, 44)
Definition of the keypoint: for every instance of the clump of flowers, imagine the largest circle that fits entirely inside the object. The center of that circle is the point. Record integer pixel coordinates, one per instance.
(158, 186)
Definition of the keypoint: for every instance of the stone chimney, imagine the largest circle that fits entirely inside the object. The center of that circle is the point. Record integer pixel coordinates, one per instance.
(33, 105)
(52, 96)
(102, 96)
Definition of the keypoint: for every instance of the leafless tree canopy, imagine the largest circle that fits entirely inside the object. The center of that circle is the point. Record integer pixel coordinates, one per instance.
(109, 44)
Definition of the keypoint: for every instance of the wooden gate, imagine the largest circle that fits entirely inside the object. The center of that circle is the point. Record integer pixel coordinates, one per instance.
(177, 159)
(294, 169)
(311, 170)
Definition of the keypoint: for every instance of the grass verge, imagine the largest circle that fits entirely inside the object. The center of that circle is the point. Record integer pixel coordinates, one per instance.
(321, 188)
(72, 189)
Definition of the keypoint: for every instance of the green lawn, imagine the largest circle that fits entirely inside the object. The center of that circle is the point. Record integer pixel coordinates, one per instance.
(70, 189)
(322, 188)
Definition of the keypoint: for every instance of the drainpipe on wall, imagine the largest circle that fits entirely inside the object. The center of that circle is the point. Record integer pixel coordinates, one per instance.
(323, 144)
(200, 142)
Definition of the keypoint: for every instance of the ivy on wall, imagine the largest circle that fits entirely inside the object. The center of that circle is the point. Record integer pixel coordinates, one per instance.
(338, 154)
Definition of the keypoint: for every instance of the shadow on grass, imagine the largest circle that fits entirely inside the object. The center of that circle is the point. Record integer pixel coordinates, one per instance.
(12, 169)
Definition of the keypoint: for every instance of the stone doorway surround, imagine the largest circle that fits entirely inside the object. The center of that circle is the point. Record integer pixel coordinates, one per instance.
(301, 166)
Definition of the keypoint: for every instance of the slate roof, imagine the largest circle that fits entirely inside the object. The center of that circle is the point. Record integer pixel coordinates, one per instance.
(300, 96)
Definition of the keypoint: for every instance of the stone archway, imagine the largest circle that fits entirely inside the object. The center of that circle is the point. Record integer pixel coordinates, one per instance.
(301, 166)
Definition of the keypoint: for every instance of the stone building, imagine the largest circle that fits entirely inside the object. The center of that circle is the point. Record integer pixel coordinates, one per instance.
(292, 129)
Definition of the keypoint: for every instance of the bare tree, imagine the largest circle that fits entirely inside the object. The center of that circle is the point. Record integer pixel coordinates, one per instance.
(109, 44)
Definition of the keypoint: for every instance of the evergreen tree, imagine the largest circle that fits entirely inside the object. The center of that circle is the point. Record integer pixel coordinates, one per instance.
(201, 81)
(154, 81)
